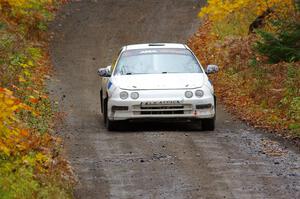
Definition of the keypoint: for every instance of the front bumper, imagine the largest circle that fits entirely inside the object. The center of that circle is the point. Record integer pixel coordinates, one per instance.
(188, 108)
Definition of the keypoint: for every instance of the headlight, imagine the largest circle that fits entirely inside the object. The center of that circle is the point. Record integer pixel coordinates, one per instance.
(188, 94)
(123, 95)
(134, 95)
(199, 93)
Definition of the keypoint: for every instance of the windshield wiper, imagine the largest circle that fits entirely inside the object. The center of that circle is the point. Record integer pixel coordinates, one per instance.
(164, 72)
(128, 73)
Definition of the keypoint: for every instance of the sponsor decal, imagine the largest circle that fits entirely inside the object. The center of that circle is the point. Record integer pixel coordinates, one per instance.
(148, 51)
(109, 84)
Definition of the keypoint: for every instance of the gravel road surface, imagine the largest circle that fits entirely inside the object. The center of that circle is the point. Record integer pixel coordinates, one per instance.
(153, 160)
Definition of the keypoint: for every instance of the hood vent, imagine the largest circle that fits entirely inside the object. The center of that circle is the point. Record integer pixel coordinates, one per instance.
(156, 44)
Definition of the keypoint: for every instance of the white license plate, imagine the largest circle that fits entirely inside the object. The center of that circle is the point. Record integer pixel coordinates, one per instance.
(164, 102)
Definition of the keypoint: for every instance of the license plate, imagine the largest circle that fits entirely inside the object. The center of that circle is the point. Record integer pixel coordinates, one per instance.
(165, 102)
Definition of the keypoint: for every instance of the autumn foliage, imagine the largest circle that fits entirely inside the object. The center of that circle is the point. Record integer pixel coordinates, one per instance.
(262, 93)
(233, 17)
(31, 165)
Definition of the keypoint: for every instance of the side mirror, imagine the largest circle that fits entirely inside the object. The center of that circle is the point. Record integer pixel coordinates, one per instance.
(212, 69)
(104, 72)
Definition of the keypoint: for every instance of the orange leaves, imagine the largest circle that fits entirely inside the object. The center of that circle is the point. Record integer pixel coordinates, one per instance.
(15, 139)
(201, 43)
(24, 133)
(8, 106)
(33, 99)
(11, 132)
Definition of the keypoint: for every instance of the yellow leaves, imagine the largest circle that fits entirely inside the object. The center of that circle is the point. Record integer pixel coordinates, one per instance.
(242, 12)
(8, 105)
(204, 11)
(16, 3)
(32, 13)
(22, 4)
(11, 133)
(4, 149)
(30, 63)
(41, 158)
(21, 79)
(29, 155)
(14, 138)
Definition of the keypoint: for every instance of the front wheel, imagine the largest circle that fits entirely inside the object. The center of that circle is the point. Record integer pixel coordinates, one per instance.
(208, 124)
(110, 125)
(101, 102)
(104, 111)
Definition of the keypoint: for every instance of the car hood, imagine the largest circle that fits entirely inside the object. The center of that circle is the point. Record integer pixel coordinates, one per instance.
(159, 81)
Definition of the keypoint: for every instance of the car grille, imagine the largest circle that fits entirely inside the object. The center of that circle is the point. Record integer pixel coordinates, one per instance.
(162, 109)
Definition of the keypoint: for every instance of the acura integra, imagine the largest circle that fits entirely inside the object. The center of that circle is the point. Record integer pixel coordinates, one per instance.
(157, 81)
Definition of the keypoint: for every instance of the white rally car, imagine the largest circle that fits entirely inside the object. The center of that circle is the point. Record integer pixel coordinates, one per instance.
(157, 81)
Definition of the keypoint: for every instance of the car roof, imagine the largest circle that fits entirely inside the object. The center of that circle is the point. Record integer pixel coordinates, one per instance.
(154, 45)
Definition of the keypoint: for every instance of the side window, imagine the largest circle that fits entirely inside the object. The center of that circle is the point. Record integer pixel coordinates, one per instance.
(113, 65)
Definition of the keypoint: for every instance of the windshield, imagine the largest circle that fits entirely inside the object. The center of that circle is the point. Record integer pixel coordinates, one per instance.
(157, 61)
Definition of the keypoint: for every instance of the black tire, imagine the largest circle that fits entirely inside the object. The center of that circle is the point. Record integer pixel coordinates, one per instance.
(208, 124)
(105, 111)
(101, 102)
(110, 125)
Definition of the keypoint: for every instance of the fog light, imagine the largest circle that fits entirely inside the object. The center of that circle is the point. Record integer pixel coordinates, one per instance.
(203, 106)
(188, 94)
(119, 108)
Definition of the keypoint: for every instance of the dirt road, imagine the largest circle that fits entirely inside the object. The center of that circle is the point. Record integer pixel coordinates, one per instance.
(153, 160)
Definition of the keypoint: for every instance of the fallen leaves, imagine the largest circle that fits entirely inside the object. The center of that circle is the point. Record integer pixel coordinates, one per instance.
(258, 93)
(273, 148)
